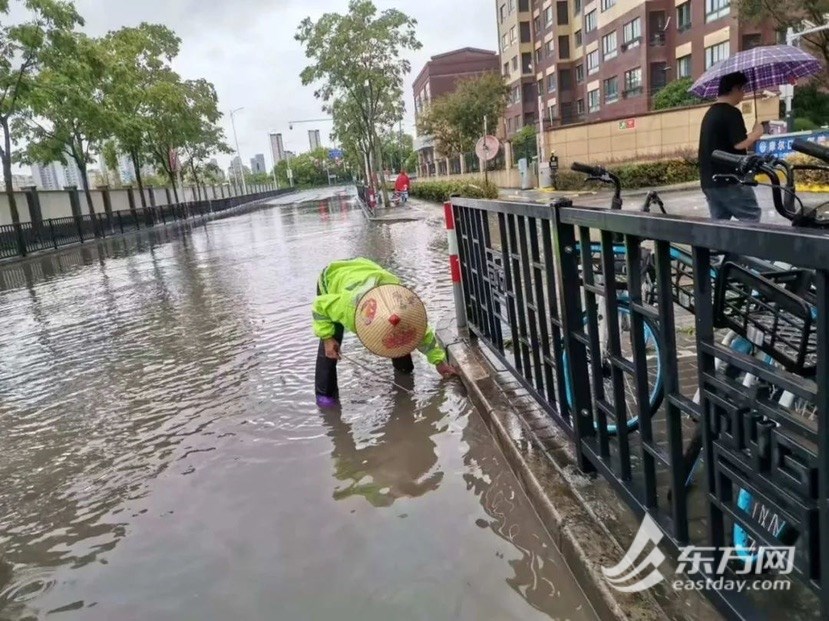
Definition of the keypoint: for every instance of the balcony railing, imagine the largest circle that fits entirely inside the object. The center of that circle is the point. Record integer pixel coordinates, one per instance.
(657, 39)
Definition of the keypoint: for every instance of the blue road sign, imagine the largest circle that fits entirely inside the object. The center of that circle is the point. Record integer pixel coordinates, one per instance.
(335, 154)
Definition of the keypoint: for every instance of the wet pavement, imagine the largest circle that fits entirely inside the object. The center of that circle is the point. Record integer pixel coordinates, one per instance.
(163, 457)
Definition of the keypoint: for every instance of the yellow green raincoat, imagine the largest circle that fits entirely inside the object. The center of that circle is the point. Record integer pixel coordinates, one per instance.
(341, 285)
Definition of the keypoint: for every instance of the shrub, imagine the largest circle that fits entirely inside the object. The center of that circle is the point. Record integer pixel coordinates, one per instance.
(808, 177)
(642, 175)
(440, 191)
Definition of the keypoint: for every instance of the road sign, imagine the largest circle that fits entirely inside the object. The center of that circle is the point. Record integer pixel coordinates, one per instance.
(487, 148)
(335, 154)
(627, 124)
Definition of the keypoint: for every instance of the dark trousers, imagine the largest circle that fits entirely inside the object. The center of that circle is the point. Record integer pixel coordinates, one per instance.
(325, 376)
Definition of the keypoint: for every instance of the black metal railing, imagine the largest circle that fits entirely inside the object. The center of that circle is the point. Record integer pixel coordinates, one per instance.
(56, 232)
(578, 303)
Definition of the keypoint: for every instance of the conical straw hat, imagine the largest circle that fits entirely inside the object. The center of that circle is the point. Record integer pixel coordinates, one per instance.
(391, 321)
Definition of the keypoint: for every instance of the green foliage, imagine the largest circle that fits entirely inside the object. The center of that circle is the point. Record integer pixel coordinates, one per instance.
(456, 120)
(440, 191)
(802, 124)
(810, 103)
(398, 149)
(644, 175)
(358, 64)
(310, 169)
(675, 95)
(524, 143)
(808, 177)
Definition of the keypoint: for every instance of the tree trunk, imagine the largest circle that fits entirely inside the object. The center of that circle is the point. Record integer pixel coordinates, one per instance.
(196, 180)
(380, 172)
(81, 162)
(7, 178)
(136, 162)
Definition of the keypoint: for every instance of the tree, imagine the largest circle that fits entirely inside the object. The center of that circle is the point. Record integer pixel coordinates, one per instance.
(810, 103)
(21, 47)
(524, 143)
(675, 95)
(456, 121)
(67, 118)
(109, 161)
(793, 14)
(398, 149)
(137, 60)
(357, 62)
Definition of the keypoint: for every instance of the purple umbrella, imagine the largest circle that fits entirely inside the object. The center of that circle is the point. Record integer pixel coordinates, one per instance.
(765, 67)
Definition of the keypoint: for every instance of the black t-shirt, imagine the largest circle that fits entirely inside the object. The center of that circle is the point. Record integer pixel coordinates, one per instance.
(722, 127)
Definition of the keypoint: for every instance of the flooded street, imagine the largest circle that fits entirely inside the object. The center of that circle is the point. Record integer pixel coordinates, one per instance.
(162, 456)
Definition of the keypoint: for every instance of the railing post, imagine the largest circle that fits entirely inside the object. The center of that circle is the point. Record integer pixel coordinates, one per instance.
(35, 213)
(133, 211)
(52, 231)
(454, 265)
(572, 320)
(120, 222)
(152, 218)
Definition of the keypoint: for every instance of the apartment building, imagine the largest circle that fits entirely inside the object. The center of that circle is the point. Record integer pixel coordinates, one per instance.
(439, 77)
(606, 59)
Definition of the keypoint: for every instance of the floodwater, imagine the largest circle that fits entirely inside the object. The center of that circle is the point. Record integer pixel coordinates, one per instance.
(162, 457)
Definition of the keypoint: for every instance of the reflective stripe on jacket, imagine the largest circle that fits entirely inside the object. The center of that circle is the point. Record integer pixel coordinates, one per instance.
(341, 285)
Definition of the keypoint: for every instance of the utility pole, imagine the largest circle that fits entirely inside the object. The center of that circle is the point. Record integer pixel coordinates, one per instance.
(238, 154)
(791, 37)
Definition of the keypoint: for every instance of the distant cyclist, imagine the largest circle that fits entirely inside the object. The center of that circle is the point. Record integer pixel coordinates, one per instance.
(401, 186)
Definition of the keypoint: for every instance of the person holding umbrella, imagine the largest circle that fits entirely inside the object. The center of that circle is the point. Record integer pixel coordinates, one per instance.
(754, 70)
(724, 129)
(388, 318)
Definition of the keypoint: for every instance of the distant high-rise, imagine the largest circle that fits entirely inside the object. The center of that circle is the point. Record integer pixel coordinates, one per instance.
(257, 163)
(73, 174)
(49, 176)
(314, 138)
(277, 148)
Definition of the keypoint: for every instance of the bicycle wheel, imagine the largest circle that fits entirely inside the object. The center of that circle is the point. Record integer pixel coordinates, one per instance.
(655, 353)
(744, 544)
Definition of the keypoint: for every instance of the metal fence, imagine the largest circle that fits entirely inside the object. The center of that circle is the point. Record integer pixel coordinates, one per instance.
(579, 304)
(28, 237)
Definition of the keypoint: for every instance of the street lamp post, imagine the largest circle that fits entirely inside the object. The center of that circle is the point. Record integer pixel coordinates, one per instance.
(238, 154)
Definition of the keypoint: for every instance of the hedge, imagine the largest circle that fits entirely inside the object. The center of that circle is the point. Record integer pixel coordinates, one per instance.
(440, 191)
(644, 175)
(808, 177)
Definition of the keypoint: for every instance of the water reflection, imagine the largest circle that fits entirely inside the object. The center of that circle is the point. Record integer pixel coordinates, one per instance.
(398, 458)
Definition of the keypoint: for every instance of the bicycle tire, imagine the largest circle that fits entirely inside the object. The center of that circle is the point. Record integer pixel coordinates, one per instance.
(657, 389)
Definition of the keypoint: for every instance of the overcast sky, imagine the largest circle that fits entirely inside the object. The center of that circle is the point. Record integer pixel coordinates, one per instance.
(247, 49)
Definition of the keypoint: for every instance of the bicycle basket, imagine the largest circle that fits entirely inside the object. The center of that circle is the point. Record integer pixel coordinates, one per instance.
(761, 309)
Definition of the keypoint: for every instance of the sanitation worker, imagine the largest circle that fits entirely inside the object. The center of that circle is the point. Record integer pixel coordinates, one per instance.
(388, 318)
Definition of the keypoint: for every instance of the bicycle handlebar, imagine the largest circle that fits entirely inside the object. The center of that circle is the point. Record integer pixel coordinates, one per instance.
(729, 159)
(593, 171)
(811, 148)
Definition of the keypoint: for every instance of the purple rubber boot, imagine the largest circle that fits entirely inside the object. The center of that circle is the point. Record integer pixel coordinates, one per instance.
(327, 402)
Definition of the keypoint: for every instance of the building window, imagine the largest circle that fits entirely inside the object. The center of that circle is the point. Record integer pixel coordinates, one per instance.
(593, 62)
(515, 63)
(716, 53)
(548, 16)
(537, 25)
(503, 12)
(593, 104)
(577, 37)
(683, 16)
(565, 79)
(715, 9)
(579, 73)
(611, 90)
(580, 107)
(590, 21)
(633, 82)
(551, 112)
(504, 42)
(506, 69)
(563, 13)
(538, 56)
(752, 40)
(551, 83)
(550, 48)
(527, 62)
(576, 7)
(523, 6)
(564, 47)
(609, 47)
(516, 95)
(606, 4)
(525, 32)
(683, 67)
(512, 35)
(632, 33)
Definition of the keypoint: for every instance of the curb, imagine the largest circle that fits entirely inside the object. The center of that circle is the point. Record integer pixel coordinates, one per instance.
(540, 456)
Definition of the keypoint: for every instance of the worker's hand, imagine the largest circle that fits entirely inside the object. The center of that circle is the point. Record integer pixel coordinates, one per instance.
(332, 349)
(446, 369)
(758, 130)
